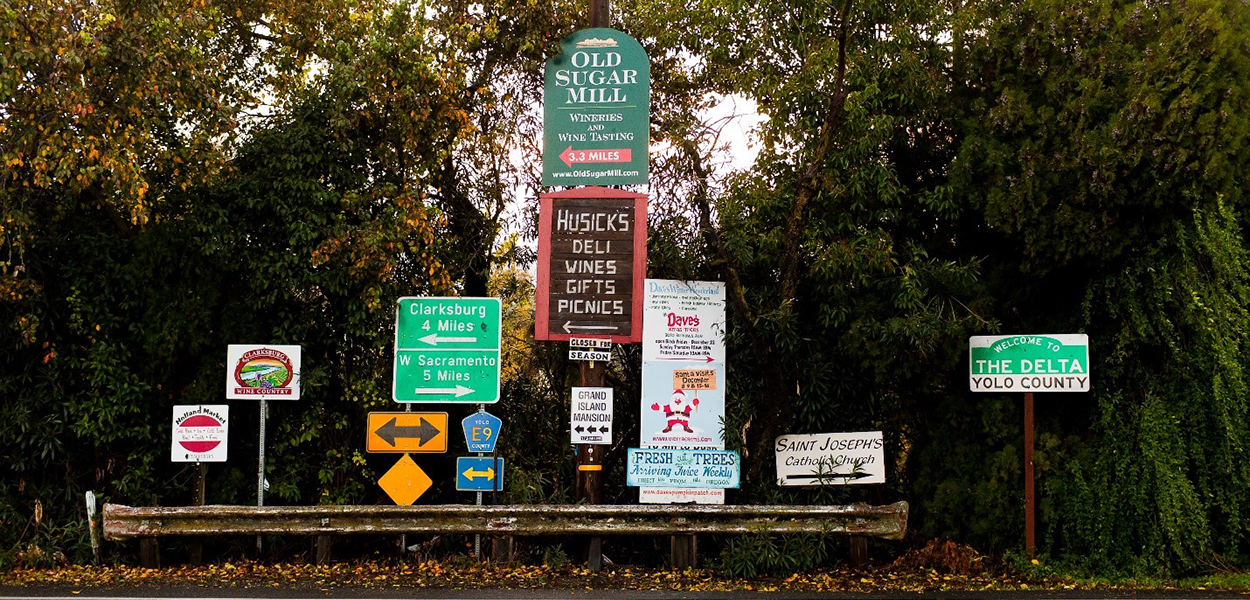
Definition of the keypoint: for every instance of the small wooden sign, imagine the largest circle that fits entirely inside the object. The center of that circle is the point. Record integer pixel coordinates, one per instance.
(592, 261)
(694, 379)
(590, 343)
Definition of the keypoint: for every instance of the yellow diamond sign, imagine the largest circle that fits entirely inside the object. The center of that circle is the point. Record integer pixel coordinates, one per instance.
(405, 482)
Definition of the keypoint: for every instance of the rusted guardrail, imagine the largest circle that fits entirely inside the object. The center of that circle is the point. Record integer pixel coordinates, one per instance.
(127, 522)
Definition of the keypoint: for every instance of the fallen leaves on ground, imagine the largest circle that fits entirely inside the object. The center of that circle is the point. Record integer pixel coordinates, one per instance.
(458, 575)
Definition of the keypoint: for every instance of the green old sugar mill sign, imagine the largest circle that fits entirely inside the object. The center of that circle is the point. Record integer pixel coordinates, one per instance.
(596, 111)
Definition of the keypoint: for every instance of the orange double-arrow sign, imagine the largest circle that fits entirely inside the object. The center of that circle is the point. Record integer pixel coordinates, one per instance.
(407, 432)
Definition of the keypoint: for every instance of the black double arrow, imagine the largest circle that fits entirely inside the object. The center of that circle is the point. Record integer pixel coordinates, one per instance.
(423, 431)
(580, 429)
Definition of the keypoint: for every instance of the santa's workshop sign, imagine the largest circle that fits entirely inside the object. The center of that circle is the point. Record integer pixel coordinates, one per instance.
(683, 378)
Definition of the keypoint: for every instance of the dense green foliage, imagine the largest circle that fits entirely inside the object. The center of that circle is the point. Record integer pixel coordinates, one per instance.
(1105, 152)
(925, 172)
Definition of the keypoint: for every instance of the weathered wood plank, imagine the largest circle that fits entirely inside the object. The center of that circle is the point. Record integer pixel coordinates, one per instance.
(127, 522)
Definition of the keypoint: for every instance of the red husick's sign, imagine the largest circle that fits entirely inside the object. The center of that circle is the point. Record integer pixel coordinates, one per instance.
(592, 259)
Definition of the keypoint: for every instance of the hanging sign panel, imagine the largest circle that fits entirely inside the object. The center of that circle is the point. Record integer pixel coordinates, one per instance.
(596, 111)
(684, 320)
(591, 420)
(447, 350)
(830, 458)
(592, 259)
(664, 467)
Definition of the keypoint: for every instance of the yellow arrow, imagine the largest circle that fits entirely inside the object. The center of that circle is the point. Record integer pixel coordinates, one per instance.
(470, 474)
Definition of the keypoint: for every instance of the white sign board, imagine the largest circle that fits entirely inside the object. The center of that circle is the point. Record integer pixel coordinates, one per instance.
(200, 433)
(683, 320)
(1029, 363)
(590, 343)
(262, 372)
(831, 458)
(683, 376)
(683, 405)
(591, 422)
(683, 468)
(591, 355)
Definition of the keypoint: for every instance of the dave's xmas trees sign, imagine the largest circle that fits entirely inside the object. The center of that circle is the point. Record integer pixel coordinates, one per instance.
(596, 106)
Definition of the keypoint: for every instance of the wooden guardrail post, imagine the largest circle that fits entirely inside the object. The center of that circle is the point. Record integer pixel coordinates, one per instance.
(149, 552)
(683, 550)
(501, 549)
(322, 553)
(859, 551)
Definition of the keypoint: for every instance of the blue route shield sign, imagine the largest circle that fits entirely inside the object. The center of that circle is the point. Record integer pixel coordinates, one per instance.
(481, 431)
(479, 474)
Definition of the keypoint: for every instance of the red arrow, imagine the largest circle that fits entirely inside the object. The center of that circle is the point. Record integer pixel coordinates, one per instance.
(611, 155)
(684, 359)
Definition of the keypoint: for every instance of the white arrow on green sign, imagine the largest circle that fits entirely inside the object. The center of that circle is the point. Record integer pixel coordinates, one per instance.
(1029, 363)
(447, 350)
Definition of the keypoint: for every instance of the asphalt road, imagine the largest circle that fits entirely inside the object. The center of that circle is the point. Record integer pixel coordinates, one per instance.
(201, 593)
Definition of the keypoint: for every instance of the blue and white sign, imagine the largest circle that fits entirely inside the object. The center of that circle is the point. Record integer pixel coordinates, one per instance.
(481, 431)
(665, 467)
(479, 474)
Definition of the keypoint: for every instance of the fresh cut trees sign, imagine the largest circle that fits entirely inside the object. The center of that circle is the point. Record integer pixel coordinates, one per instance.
(596, 107)
(1029, 363)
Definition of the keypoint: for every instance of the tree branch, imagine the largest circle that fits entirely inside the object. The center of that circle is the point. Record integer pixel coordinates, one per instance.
(806, 184)
(711, 236)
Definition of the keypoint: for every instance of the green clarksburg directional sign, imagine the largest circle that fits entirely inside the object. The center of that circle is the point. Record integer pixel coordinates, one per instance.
(447, 350)
(596, 110)
(1029, 363)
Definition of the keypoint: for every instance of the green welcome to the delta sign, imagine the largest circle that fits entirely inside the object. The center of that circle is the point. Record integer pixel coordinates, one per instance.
(1029, 363)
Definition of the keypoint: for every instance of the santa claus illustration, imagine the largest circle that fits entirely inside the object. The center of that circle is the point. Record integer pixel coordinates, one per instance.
(678, 411)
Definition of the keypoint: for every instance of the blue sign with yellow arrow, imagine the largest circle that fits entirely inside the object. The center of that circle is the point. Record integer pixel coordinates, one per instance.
(479, 474)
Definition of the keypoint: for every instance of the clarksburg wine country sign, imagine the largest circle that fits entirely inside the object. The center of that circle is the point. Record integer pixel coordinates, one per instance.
(596, 111)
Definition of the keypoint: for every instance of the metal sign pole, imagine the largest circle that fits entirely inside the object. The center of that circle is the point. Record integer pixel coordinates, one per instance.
(477, 537)
(260, 471)
(1030, 541)
(403, 537)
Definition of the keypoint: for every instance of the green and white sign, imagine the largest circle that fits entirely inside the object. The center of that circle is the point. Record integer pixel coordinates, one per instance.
(596, 111)
(447, 350)
(1029, 363)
